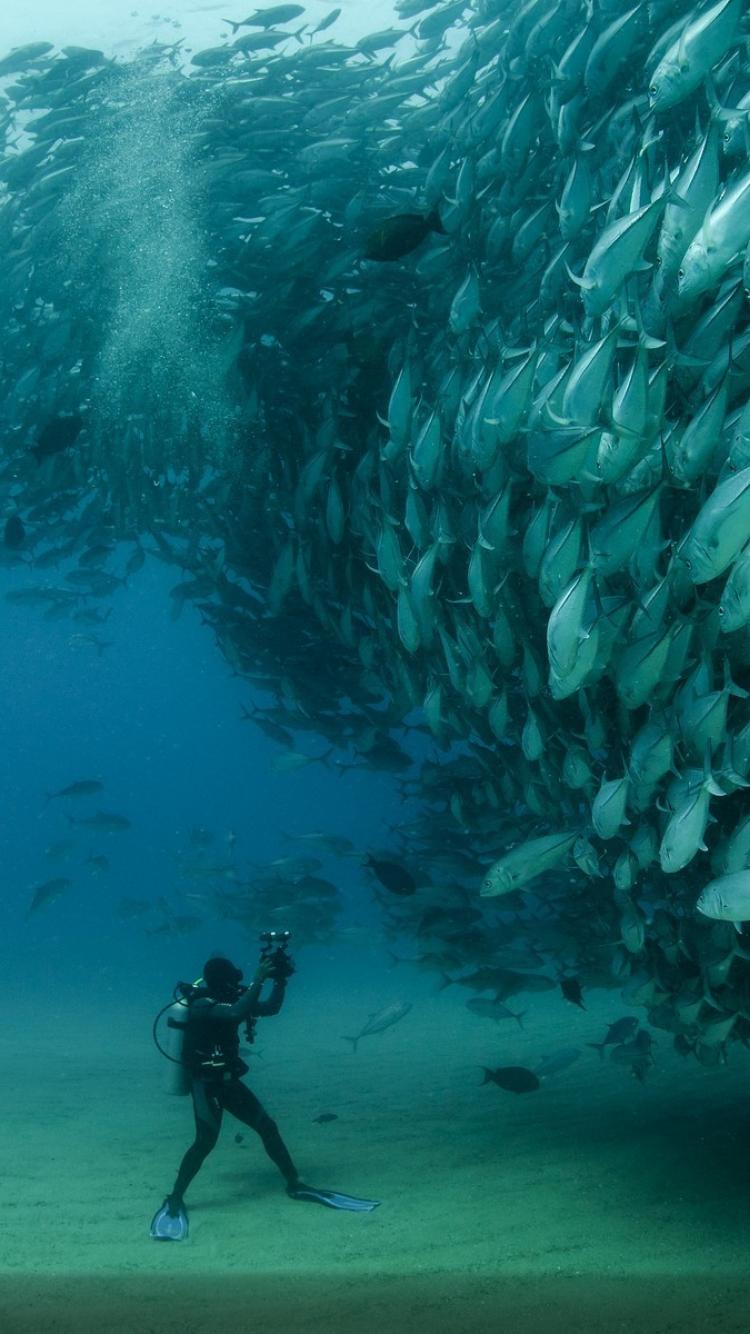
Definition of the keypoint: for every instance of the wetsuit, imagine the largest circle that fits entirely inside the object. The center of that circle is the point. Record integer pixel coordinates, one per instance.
(211, 1050)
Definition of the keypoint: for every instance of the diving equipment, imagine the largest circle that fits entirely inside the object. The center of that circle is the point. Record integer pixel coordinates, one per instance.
(170, 1222)
(332, 1198)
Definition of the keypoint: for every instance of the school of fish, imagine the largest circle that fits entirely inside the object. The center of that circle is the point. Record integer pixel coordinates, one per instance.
(430, 373)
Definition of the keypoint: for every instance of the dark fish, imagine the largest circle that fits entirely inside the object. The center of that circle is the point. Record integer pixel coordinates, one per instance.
(98, 863)
(682, 1045)
(58, 434)
(399, 235)
(107, 822)
(175, 925)
(62, 848)
(571, 990)
(622, 1030)
(48, 892)
(128, 908)
(265, 18)
(201, 837)
(324, 1117)
(392, 876)
(14, 533)
(270, 729)
(493, 1009)
(636, 1054)
(514, 1078)
(85, 787)
(380, 1021)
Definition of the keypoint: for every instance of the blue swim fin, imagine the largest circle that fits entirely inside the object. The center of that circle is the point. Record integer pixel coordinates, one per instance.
(170, 1222)
(332, 1198)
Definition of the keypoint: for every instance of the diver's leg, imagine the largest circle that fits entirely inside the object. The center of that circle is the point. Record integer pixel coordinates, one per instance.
(237, 1099)
(207, 1109)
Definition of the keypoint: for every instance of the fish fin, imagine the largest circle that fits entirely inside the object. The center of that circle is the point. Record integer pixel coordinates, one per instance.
(586, 283)
(345, 1038)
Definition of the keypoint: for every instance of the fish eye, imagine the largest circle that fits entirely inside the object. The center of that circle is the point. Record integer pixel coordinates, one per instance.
(653, 90)
(721, 611)
(680, 273)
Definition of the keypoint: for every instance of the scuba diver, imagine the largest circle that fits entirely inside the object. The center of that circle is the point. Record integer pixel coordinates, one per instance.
(211, 1011)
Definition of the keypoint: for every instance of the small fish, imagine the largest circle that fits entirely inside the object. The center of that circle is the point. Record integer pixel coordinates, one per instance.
(200, 837)
(14, 533)
(622, 1030)
(99, 863)
(571, 990)
(60, 850)
(494, 1009)
(513, 1078)
(391, 875)
(265, 18)
(379, 1021)
(56, 435)
(293, 760)
(556, 1062)
(48, 892)
(129, 908)
(325, 1117)
(399, 235)
(107, 822)
(84, 787)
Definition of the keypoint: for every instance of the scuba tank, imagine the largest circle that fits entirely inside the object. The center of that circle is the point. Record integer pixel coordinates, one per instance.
(178, 1078)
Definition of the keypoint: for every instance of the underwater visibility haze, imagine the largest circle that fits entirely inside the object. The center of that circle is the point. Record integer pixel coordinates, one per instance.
(375, 568)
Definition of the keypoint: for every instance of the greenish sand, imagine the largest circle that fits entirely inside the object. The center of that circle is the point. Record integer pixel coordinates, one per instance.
(595, 1204)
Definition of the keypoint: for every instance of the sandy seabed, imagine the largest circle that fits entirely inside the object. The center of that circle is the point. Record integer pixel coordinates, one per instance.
(595, 1204)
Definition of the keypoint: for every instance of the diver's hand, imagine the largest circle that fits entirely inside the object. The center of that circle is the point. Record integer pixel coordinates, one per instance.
(263, 971)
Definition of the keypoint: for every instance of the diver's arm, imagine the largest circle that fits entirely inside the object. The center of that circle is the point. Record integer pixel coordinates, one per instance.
(262, 1009)
(242, 1008)
(235, 1013)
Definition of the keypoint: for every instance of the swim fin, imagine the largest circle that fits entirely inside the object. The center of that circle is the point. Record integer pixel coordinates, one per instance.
(332, 1198)
(170, 1222)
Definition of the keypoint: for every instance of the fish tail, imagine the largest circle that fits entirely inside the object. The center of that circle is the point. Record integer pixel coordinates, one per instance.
(354, 1041)
(598, 1046)
(445, 981)
(433, 221)
(519, 1018)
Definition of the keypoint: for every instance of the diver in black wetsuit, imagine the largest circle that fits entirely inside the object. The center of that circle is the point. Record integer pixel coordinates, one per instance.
(211, 1053)
(215, 1009)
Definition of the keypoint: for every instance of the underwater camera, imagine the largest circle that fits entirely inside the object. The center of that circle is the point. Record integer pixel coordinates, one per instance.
(273, 946)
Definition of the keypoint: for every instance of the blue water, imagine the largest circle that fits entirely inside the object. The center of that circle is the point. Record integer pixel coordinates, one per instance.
(156, 716)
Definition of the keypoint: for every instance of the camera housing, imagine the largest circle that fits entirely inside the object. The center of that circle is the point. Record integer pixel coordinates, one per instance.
(274, 946)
